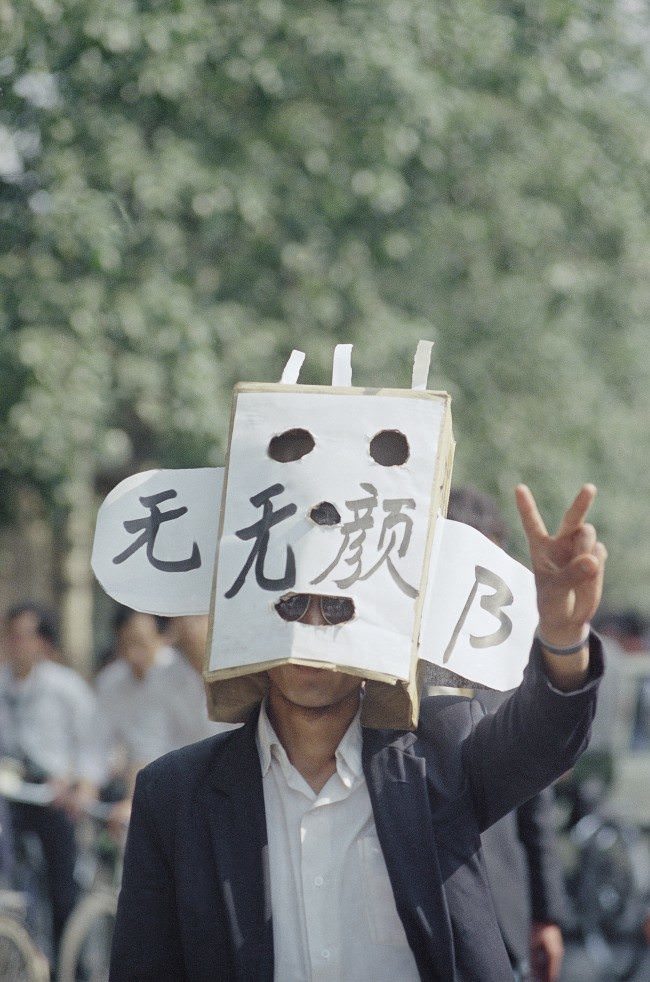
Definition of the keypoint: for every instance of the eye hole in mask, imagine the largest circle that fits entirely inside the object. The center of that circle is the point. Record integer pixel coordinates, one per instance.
(389, 448)
(290, 445)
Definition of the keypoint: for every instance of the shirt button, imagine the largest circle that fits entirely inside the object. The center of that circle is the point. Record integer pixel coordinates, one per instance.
(318, 881)
(325, 953)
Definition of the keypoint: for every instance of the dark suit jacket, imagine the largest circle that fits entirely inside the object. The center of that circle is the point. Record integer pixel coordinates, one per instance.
(523, 865)
(195, 899)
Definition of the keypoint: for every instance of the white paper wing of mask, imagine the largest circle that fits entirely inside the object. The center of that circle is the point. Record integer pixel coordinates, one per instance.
(155, 540)
(480, 609)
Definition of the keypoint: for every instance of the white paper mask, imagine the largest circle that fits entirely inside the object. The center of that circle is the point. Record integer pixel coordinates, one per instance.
(349, 519)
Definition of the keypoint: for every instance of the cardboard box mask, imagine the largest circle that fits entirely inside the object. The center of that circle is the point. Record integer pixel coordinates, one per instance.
(332, 493)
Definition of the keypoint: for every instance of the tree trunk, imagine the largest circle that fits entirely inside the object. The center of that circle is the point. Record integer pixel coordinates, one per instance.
(78, 583)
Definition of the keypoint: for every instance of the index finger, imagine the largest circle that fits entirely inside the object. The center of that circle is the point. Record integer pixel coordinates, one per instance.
(531, 519)
(576, 513)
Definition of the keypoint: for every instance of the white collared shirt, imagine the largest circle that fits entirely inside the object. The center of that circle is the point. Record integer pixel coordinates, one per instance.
(334, 914)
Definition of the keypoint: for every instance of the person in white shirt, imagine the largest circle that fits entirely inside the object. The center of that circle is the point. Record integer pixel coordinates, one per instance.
(47, 715)
(150, 699)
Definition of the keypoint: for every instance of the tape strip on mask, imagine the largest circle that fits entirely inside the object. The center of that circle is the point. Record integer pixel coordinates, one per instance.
(292, 367)
(342, 366)
(421, 364)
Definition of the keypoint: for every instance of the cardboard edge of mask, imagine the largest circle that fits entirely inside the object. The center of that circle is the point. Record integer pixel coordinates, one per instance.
(388, 703)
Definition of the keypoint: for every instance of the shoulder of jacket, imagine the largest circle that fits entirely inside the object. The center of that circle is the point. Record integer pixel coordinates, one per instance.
(185, 767)
(446, 716)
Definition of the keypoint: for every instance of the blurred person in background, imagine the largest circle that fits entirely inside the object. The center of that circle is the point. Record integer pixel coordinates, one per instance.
(615, 772)
(47, 714)
(50, 637)
(523, 865)
(190, 635)
(628, 628)
(151, 700)
(622, 720)
(48, 631)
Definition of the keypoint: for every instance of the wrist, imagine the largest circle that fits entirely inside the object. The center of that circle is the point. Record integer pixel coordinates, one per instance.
(568, 642)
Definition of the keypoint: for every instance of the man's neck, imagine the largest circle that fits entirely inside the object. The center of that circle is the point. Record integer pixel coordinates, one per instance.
(311, 736)
(141, 669)
(22, 672)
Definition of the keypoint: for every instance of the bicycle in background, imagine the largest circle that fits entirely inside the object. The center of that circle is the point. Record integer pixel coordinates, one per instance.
(607, 877)
(20, 959)
(84, 952)
(85, 948)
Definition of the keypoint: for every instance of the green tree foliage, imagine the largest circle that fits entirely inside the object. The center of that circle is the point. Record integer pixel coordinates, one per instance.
(192, 188)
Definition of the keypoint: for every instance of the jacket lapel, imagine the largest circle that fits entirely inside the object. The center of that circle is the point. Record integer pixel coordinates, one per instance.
(234, 800)
(396, 778)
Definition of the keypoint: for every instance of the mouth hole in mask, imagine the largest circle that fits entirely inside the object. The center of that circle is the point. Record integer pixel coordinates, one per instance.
(335, 610)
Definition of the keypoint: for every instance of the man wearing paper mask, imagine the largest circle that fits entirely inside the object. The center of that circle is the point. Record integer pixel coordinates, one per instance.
(335, 836)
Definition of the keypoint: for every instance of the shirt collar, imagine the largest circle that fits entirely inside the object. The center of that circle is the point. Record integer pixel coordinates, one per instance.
(164, 656)
(266, 739)
(348, 752)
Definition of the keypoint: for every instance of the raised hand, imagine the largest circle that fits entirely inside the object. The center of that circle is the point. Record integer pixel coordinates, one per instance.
(568, 567)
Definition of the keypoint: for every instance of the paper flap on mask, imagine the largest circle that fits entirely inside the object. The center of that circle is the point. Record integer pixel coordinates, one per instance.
(480, 610)
(155, 540)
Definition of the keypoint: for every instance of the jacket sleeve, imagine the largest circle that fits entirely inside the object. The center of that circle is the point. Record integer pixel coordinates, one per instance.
(146, 942)
(536, 735)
